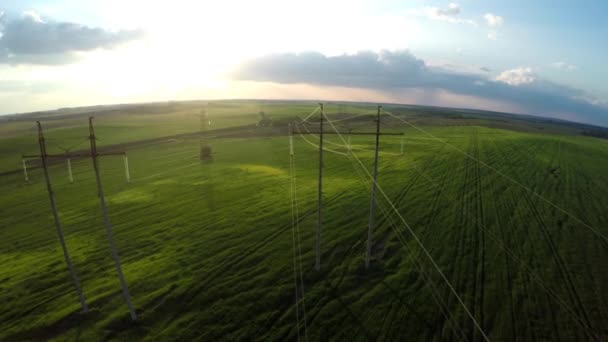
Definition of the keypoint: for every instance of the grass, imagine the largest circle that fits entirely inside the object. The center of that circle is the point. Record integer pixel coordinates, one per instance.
(207, 248)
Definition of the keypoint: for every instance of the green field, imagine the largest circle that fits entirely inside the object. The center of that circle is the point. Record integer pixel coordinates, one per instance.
(512, 214)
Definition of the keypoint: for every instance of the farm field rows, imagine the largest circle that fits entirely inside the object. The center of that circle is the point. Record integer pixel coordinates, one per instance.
(514, 221)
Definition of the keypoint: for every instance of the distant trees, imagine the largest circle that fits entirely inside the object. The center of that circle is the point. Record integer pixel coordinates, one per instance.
(597, 133)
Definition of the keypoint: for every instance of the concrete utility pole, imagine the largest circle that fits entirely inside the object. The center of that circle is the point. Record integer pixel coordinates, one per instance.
(372, 204)
(320, 194)
(66, 255)
(106, 219)
(375, 176)
(205, 153)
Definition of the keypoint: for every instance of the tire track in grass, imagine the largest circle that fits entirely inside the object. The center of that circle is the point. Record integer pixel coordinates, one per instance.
(186, 297)
(571, 174)
(508, 207)
(533, 337)
(327, 296)
(535, 317)
(563, 271)
(528, 295)
(440, 320)
(394, 310)
(508, 267)
(480, 221)
(462, 268)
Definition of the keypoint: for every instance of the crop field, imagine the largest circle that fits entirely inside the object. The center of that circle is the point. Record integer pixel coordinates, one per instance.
(514, 225)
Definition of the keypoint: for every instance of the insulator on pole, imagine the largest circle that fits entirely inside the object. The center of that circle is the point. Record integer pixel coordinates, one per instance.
(70, 177)
(126, 162)
(349, 147)
(27, 179)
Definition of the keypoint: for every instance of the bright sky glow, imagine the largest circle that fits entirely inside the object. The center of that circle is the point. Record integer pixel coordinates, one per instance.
(127, 51)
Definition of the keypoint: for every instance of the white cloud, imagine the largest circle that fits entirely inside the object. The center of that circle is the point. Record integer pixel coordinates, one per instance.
(564, 66)
(448, 14)
(493, 20)
(518, 76)
(492, 35)
(33, 16)
(453, 9)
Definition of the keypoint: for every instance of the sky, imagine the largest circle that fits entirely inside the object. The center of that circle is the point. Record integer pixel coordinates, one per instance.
(533, 57)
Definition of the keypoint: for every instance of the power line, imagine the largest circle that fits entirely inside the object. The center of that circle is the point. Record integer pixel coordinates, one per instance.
(419, 243)
(510, 253)
(511, 179)
(435, 293)
(352, 117)
(349, 146)
(311, 114)
(324, 148)
(295, 230)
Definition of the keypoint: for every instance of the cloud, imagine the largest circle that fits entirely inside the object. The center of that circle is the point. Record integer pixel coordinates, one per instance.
(31, 39)
(564, 66)
(493, 20)
(517, 77)
(492, 35)
(394, 70)
(448, 14)
(452, 9)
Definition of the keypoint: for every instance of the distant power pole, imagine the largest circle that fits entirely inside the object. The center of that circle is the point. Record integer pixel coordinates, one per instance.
(106, 219)
(372, 204)
(320, 193)
(66, 255)
(205, 153)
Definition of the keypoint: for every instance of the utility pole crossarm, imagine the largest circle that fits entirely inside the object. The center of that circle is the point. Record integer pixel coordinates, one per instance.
(72, 155)
(351, 133)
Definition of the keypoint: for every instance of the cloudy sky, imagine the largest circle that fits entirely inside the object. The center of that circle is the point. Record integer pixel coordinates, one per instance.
(544, 57)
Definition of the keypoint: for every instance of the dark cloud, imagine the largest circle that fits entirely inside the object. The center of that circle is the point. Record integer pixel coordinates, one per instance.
(32, 40)
(394, 70)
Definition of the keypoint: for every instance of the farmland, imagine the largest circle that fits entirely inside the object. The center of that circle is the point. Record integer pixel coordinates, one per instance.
(512, 213)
